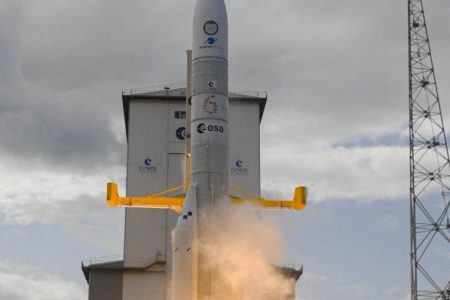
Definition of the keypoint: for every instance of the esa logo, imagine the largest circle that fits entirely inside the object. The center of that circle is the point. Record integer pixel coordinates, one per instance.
(239, 168)
(181, 133)
(202, 128)
(148, 166)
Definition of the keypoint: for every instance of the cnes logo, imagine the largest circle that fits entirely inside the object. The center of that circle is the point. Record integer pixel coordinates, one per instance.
(239, 168)
(202, 128)
(148, 166)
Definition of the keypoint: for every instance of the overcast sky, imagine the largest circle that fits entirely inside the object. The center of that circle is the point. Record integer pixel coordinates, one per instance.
(336, 121)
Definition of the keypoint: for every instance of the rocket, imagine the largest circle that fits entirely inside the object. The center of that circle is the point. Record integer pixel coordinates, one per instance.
(207, 183)
(209, 150)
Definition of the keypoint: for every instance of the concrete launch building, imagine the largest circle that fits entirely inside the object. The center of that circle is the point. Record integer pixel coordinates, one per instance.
(155, 122)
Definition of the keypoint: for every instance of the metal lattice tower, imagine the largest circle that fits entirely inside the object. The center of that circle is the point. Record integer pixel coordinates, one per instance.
(429, 169)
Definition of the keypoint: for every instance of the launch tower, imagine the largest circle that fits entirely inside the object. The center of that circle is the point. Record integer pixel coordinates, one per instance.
(429, 168)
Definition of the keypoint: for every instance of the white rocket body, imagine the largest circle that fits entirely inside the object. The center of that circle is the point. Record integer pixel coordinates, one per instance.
(185, 251)
(209, 151)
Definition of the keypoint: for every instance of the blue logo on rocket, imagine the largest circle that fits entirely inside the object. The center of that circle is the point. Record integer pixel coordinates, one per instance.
(210, 41)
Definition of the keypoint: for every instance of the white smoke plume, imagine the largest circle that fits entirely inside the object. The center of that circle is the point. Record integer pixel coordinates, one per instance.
(244, 251)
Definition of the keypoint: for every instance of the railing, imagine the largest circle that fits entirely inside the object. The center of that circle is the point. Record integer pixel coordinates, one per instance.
(141, 264)
(169, 89)
(248, 93)
(103, 259)
(134, 264)
(156, 89)
(293, 266)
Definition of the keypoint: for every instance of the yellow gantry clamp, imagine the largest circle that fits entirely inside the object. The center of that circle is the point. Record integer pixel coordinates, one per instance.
(176, 203)
(151, 201)
(298, 203)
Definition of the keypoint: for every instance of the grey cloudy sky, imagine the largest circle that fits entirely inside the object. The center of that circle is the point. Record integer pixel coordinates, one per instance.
(336, 121)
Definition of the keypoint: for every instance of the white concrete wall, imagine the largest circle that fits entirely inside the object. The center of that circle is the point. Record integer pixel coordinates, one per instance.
(147, 140)
(244, 146)
(143, 285)
(151, 136)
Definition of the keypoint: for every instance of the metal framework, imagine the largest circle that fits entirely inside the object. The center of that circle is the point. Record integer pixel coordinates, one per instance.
(429, 169)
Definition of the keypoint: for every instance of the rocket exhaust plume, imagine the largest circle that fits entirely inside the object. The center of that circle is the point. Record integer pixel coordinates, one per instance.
(242, 251)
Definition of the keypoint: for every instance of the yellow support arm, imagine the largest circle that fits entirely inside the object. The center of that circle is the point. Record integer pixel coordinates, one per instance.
(151, 201)
(176, 203)
(298, 203)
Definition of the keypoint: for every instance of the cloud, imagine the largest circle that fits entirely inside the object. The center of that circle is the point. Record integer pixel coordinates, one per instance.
(101, 42)
(41, 194)
(319, 286)
(63, 198)
(58, 201)
(10, 15)
(22, 283)
(338, 173)
(61, 129)
(388, 221)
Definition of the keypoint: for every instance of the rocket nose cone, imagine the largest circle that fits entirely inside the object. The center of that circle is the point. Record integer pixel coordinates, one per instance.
(210, 29)
(211, 8)
(211, 2)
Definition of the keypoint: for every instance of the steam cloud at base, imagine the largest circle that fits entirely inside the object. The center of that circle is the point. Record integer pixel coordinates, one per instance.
(244, 251)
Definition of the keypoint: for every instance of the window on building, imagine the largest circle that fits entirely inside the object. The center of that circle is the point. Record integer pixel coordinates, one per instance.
(179, 114)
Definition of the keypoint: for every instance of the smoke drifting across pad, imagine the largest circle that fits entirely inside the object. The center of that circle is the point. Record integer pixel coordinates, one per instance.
(242, 251)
